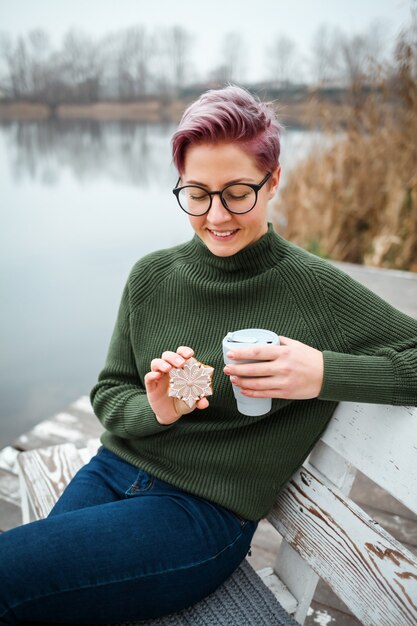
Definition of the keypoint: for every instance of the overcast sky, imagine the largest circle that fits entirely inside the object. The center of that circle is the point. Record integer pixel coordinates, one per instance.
(259, 21)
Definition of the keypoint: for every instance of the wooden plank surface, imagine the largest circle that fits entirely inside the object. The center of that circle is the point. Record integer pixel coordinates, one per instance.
(10, 503)
(8, 459)
(75, 425)
(388, 459)
(323, 615)
(9, 487)
(327, 608)
(364, 566)
(46, 472)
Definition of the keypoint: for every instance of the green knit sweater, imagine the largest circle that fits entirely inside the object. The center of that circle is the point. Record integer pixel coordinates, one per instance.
(187, 296)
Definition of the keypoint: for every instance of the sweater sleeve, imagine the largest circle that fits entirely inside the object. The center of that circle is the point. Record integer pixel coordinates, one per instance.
(119, 398)
(380, 363)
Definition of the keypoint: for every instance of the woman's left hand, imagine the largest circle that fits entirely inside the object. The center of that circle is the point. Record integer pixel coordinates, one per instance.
(291, 370)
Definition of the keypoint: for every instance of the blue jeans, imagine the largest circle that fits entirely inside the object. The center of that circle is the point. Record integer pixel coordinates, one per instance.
(119, 545)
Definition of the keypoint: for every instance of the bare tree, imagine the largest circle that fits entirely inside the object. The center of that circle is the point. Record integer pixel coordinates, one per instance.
(39, 65)
(5, 64)
(325, 56)
(172, 66)
(81, 65)
(362, 54)
(179, 43)
(135, 52)
(283, 61)
(19, 70)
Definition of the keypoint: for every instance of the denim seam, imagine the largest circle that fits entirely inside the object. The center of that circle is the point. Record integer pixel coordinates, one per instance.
(134, 488)
(137, 576)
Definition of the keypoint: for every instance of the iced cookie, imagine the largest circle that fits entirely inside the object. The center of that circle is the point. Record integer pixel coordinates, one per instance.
(191, 382)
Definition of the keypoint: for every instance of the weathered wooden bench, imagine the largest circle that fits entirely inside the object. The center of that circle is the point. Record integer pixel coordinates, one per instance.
(324, 533)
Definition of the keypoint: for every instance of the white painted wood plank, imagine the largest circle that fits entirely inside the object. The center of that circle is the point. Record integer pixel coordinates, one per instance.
(294, 571)
(61, 428)
(28, 512)
(8, 459)
(62, 425)
(300, 579)
(280, 591)
(333, 466)
(9, 488)
(83, 404)
(45, 473)
(380, 441)
(93, 445)
(368, 569)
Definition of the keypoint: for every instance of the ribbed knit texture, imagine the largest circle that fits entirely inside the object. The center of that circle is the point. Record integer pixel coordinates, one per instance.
(187, 296)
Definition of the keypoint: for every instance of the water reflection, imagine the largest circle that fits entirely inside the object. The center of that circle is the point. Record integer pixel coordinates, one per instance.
(123, 152)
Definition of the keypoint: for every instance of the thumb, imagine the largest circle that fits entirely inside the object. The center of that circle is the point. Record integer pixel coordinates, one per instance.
(286, 341)
(202, 403)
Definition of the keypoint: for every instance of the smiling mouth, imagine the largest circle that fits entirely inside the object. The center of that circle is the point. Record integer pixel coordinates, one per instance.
(222, 234)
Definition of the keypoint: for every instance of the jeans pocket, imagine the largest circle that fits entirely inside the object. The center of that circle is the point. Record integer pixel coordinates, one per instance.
(143, 483)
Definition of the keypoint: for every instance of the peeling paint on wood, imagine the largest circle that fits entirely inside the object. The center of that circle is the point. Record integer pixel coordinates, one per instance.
(360, 561)
(375, 440)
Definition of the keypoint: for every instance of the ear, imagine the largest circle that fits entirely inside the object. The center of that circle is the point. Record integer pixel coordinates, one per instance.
(274, 182)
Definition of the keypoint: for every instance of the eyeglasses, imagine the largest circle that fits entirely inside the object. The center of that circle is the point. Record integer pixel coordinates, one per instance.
(237, 198)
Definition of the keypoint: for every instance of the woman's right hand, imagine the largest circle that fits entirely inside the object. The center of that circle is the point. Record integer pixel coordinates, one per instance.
(168, 410)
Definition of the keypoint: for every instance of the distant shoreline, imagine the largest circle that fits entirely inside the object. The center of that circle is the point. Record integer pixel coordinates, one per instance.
(146, 111)
(294, 114)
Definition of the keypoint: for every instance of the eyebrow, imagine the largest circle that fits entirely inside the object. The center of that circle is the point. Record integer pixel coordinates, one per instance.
(230, 182)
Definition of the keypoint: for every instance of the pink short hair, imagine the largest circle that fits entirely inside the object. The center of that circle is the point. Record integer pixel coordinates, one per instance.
(226, 115)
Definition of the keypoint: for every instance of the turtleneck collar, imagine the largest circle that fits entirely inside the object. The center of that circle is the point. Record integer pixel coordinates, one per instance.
(257, 257)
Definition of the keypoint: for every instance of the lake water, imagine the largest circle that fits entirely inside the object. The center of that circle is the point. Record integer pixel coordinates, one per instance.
(79, 204)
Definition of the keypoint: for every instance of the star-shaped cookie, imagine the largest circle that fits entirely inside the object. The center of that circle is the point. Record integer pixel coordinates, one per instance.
(191, 382)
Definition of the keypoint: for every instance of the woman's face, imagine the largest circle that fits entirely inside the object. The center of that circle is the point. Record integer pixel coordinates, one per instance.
(213, 166)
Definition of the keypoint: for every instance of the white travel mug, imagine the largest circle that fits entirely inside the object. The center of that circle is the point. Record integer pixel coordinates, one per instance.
(242, 339)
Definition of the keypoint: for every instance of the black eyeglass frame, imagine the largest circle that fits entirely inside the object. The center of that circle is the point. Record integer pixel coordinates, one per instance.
(176, 191)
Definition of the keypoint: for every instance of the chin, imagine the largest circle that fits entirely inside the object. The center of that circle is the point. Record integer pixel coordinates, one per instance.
(223, 249)
(223, 253)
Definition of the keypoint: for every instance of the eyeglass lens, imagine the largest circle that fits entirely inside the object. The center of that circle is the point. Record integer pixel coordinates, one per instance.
(238, 198)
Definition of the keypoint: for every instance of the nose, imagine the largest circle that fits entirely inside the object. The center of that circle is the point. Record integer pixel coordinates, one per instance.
(218, 214)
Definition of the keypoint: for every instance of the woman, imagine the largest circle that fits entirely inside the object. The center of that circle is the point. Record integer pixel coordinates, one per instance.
(167, 509)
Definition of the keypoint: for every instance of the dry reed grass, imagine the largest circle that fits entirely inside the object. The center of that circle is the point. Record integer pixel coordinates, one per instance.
(356, 200)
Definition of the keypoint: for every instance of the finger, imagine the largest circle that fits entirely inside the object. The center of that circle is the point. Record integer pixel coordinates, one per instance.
(152, 377)
(175, 359)
(159, 365)
(286, 341)
(265, 393)
(261, 353)
(202, 403)
(261, 368)
(255, 384)
(185, 352)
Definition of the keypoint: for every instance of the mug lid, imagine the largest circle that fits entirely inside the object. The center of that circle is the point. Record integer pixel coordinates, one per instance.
(240, 337)
(251, 336)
